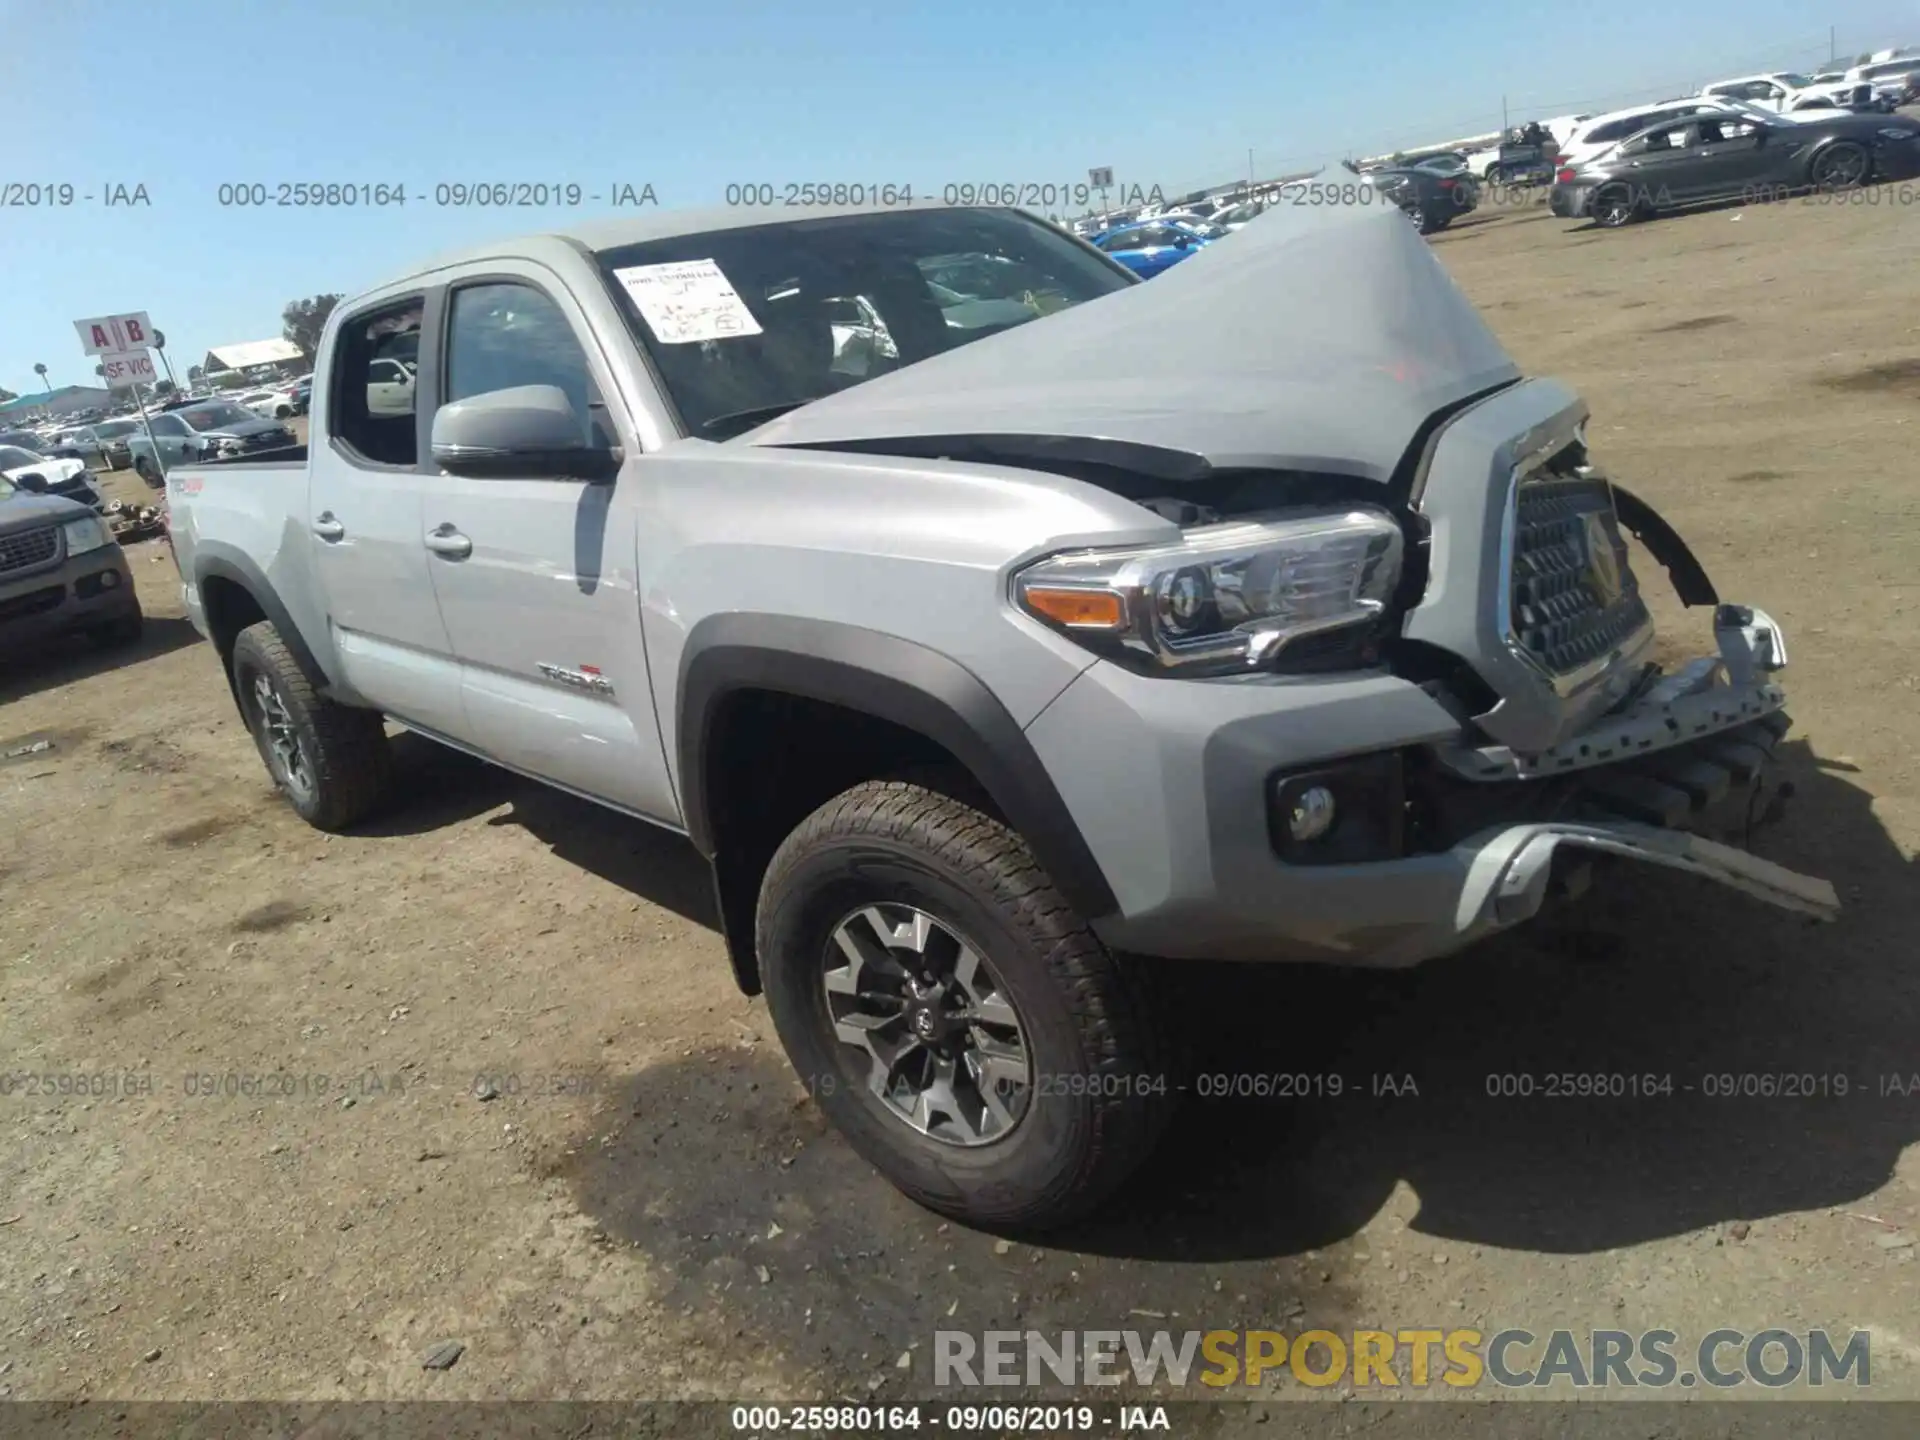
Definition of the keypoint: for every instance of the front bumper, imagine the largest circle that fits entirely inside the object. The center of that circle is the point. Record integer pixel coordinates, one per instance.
(1175, 800)
(76, 595)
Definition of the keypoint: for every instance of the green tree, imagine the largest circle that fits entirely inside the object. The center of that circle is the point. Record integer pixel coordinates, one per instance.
(194, 374)
(303, 320)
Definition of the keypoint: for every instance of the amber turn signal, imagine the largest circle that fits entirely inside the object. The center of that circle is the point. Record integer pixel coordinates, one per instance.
(1077, 609)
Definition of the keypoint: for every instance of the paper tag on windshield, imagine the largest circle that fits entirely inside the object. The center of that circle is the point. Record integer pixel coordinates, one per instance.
(687, 300)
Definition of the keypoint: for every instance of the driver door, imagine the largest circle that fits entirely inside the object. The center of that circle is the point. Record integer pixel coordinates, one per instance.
(536, 574)
(1730, 157)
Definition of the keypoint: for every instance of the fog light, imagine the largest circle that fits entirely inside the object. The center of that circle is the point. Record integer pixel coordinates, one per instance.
(1312, 814)
(109, 579)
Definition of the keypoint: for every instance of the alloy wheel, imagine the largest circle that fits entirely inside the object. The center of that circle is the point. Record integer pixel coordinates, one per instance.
(285, 757)
(943, 1047)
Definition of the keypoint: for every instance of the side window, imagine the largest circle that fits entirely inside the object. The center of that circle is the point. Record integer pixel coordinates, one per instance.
(371, 410)
(505, 334)
(172, 426)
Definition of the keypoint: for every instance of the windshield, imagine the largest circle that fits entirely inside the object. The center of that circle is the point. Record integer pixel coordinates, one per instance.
(1798, 82)
(114, 429)
(12, 457)
(740, 323)
(212, 417)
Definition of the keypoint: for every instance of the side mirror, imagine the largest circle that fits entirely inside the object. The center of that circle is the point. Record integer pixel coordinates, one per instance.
(526, 432)
(33, 480)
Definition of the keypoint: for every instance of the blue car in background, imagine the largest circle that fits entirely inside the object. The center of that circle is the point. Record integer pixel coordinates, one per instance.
(1151, 246)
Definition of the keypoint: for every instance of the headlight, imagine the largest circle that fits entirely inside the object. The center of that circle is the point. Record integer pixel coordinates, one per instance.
(1894, 132)
(1224, 598)
(89, 532)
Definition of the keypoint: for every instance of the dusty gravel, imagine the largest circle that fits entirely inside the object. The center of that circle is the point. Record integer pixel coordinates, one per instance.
(649, 1206)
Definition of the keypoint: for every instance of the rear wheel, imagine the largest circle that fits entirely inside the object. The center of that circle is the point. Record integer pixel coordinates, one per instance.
(330, 761)
(143, 467)
(1616, 206)
(952, 1014)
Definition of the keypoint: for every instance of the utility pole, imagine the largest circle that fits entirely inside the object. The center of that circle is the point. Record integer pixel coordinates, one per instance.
(1251, 177)
(1832, 53)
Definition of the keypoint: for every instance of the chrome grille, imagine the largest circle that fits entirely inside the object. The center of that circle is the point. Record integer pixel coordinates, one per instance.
(1573, 598)
(27, 548)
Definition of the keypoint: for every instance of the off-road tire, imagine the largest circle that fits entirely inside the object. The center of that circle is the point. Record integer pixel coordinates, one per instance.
(345, 747)
(1103, 1088)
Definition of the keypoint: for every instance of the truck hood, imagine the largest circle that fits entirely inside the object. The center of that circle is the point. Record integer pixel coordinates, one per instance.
(26, 511)
(1319, 337)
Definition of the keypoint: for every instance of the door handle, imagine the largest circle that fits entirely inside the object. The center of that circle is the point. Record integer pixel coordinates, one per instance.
(447, 541)
(328, 528)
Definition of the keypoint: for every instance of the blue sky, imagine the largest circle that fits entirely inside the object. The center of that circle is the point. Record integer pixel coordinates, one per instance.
(183, 95)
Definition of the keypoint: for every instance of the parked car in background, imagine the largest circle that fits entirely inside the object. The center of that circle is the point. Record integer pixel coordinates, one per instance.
(108, 442)
(1154, 245)
(1704, 158)
(1235, 216)
(66, 477)
(1895, 82)
(300, 393)
(1787, 90)
(1603, 132)
(203, 430)
(1431, 198)
(61, 571)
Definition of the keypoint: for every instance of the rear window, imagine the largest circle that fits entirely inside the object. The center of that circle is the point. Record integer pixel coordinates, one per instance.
(745, 324)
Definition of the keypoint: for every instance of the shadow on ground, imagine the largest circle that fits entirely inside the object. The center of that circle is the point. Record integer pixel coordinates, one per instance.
(1669, 993)
(70, 659)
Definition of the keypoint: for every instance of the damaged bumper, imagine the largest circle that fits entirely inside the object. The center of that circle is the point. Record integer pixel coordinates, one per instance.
(1187, 811)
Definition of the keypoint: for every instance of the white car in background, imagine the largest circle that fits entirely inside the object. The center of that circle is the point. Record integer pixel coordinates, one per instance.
(1895, 81)
(1785, 91)
(262, 403)
(70, 479)
(390, 385)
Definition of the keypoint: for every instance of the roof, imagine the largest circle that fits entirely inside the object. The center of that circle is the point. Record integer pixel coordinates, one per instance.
(611, 234)
(254, 352)
(60, 394)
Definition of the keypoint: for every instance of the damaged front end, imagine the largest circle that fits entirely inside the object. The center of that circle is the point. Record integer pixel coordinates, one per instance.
(1575, 743)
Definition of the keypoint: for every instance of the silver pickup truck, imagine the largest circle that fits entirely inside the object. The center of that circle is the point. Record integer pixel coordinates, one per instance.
(1260, 611)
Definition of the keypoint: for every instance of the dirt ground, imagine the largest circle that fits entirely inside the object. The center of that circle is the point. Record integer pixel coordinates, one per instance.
(292, 1190)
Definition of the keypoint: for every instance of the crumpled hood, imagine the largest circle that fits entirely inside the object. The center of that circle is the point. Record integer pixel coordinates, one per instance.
(1319, 337)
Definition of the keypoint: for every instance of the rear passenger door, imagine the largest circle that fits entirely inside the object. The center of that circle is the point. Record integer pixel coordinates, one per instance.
(365, 528)
(536, 574)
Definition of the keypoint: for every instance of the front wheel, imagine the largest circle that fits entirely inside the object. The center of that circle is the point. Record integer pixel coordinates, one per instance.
(1844, 166)
(952, 1014)
(331, 761)
(144, 469)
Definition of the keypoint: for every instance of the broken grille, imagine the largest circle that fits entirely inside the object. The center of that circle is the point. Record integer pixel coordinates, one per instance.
(1573, 598)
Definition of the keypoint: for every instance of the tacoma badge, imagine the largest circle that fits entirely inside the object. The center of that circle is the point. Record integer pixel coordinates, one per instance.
(587, 677)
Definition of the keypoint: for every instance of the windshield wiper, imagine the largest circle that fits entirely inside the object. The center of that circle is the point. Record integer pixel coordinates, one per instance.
(754, 415)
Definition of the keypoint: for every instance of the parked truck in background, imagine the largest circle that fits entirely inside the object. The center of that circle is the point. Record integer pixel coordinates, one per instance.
(1261, 612)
